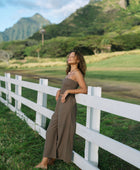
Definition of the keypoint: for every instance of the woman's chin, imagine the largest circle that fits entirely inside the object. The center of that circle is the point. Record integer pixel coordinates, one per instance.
(71, 63)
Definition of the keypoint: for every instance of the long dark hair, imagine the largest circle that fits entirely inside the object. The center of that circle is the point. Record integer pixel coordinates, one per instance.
(81, 65)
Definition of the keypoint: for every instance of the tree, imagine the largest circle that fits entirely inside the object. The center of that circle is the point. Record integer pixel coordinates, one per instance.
(38, 50)
(5, 55)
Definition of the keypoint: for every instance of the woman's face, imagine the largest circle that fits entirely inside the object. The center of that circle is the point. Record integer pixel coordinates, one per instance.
(72, 59)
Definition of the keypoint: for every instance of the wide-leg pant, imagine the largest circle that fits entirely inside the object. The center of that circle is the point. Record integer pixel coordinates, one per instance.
(61, 129)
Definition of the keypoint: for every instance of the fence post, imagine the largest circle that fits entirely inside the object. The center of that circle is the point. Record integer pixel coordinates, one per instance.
(93, 123)
(18, 91)
(42, 101)
(8, 87)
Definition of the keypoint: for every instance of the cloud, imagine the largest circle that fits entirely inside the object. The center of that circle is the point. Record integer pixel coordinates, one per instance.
(52, 4)
(15, 3)
(54, 10)
(66, 10)
(42, 4)
(33, 4)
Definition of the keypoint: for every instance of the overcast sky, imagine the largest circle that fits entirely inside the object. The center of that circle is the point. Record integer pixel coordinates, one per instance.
(54, 10)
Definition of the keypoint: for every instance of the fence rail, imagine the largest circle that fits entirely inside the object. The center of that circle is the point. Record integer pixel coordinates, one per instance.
(94, 102)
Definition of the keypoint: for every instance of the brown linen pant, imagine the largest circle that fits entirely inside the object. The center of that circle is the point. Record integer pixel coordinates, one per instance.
(60, 132)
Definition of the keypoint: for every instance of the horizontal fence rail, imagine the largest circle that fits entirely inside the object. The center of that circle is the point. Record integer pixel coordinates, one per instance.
(127, 110)
(94, 102)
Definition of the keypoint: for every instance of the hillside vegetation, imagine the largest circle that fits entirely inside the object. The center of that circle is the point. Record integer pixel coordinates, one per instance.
(96, 19)
(61, 46)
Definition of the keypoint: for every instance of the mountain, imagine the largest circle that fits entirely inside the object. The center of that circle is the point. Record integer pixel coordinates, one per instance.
(97, 18)
(24, 28)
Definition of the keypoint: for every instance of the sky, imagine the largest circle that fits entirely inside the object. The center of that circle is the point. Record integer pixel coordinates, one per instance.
(53, 10)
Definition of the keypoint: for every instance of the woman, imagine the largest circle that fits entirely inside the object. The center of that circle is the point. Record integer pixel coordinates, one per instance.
(62, 126)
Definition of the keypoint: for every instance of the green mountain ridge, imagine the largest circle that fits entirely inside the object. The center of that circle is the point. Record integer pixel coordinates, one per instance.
(96, 18)
(24, 28)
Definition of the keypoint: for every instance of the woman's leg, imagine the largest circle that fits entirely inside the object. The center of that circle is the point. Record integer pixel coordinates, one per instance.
(50, 143)
(66, 130)
(51, 138)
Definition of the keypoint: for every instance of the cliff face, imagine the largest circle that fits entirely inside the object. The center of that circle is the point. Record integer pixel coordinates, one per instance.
(121, 3)
(124, 3)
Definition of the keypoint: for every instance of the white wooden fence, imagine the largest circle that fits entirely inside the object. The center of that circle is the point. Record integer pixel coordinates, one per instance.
(94, 102)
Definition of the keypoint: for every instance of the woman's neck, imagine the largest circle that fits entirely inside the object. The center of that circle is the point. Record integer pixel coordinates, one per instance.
(73, 67)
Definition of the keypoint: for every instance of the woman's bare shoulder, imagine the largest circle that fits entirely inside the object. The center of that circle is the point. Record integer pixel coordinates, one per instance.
(78, 74)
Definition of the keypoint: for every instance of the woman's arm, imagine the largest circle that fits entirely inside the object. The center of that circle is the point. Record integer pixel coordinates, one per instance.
(57, 94)
(80, 79)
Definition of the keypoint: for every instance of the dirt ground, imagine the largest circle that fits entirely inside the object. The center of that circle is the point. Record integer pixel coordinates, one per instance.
(113, 88)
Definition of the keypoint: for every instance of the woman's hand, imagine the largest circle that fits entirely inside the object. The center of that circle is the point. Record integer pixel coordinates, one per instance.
(57, 95)
(64, 96)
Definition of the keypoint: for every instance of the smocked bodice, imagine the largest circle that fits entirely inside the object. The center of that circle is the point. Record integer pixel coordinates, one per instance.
(68, 84)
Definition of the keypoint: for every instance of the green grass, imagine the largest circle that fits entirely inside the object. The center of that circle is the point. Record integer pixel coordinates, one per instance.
(122, 61)
(125, 61)
(128, 76)
(20, 146)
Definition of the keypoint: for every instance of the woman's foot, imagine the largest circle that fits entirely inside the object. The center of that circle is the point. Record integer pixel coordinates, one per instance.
(40, 165)
(43, 163)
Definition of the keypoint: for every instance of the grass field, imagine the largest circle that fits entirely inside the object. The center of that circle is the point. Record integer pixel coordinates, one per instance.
(22, 148)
